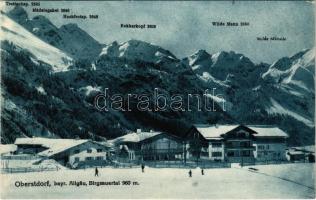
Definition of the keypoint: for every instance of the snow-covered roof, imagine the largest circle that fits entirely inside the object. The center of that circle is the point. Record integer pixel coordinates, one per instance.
(47, 142)
(300, 151)
(57, 148)
(106, 143)
(267, 131)
(310, 148)
(7, 148)
(214, 131)
(54, 145)
(135, 137)
(293, 152)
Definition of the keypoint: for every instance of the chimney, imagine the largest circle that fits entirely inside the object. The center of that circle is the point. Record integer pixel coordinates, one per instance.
(216, 126)
(151, 131)
(138, 130)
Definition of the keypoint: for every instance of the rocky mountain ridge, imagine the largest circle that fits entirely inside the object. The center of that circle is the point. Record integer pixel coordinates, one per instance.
(69, 37)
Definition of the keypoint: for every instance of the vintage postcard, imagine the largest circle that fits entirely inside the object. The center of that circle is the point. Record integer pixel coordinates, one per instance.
(157, 99)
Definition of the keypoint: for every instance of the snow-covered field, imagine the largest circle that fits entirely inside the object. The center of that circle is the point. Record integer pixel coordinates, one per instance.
(271, 181)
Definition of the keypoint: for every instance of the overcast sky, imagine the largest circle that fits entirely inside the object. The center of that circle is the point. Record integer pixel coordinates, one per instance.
(185, 27)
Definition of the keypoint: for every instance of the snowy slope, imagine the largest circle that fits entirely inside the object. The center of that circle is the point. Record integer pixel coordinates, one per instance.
(276, 108)
(13, 32)
(69, 38)
(7, 148)
(78, 43)
(208, 78)
(287, 181)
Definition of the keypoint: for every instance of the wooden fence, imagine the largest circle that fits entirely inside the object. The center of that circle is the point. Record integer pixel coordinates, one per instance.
(26, 169)
(20, 164)
(180, 164)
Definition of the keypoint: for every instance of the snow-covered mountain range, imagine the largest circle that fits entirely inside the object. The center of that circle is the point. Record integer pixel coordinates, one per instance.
(51, 75)
(69, 38)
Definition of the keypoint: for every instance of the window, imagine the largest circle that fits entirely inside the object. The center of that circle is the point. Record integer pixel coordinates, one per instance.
(89, 151)
(88, 158)
(99, 158)
(267, 146)
(99, 150)
(216, 154)
(77, 159)
(77, 151)
(217, 144)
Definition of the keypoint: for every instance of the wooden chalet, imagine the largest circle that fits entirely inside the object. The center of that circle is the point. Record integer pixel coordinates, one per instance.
(148, 146)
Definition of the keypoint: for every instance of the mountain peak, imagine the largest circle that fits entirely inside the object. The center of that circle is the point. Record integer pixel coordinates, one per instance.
(229, 58)
(69, 38)
(299, 54)
(224, 54)
(18, 14)
(42, 19)
(200, 57)
(296, 71)
(114, 43)
(137, 42)
(304, 57)
(137, 50)
(201, 53)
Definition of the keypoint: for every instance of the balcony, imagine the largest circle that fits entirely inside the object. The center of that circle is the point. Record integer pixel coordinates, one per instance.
(240, 147)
